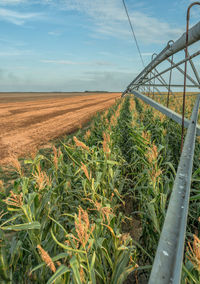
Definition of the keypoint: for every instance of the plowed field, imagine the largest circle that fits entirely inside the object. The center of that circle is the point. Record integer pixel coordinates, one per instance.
(28, 121)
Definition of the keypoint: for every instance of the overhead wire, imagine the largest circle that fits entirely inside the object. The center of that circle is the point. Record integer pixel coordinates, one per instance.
(134, 36)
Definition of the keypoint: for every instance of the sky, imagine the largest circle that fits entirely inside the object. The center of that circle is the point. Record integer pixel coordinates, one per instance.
(78, 45)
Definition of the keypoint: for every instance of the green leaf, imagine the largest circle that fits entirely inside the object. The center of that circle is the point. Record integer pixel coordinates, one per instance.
(25, 182)
(109, 162)
(196, 173)
(14, 250)
(171, 167)
(4, 267)
(100, 241)
(25, 226)
(153, 216)
(92, 272)
(125, 274)
(58, 224)
(14, 209)
(190, 275)
(195, 197)
(59, 272)
(55, 258)
(75, 267)
(64, 246)
(11, 219)
(26, 162)
(105, 252)
(70, 156)
(142, 249)
(120, 266)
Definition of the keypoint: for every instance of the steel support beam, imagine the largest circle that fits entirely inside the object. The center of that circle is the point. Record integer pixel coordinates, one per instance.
(168, 112)
(193, 36)
(183, 72)
(194, 70)
(163, 82)
(166, 85)
(163, 72)
(167, 264)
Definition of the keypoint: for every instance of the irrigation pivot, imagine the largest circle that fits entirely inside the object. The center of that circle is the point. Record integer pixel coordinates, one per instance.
(167, 264)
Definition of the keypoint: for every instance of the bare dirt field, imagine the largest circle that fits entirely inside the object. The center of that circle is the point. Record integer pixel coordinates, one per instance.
(30, 120)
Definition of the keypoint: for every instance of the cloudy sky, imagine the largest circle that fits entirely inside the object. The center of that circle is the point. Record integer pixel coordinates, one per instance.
(77, 45)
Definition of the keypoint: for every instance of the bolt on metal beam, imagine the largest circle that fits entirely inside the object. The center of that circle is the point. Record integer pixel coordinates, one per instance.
(167, 264)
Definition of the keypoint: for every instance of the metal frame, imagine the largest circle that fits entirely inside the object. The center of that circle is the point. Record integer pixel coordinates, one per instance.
(182, 72)
(167, 264)
(168, 260)
(142, 81)
(169, 50)
(166, 85)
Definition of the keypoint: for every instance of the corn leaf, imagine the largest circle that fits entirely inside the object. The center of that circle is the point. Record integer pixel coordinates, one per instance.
(59, 272)
(92, 272)
(20, 227)
(75, 267)
(55, 258)
(64, 246)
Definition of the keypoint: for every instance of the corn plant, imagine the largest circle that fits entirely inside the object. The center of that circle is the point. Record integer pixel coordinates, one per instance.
(68, 213)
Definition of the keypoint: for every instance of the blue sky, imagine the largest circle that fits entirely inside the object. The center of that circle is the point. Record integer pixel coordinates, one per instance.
(77, 45)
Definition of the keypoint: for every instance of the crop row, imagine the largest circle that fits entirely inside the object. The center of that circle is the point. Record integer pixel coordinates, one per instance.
(175, 102)
(91, 209)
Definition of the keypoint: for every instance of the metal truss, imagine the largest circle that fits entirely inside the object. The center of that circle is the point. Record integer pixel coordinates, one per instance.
(169, 50)
(167, 264)
(168, 260)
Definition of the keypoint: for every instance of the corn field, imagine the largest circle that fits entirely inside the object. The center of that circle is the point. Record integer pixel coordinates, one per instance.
(91, 209)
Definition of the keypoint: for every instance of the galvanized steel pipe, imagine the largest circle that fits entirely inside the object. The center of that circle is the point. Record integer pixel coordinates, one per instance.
(167, 265)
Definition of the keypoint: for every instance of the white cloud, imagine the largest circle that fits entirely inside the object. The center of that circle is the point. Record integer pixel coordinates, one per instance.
(15, 17)
(146, 53)
(12, 2)
(68, 62)
(8, 53)
(62, 62)
(54, 33)
(15, 52)
(109, 19)
(94, 80)
(182, 5)
(105, 53)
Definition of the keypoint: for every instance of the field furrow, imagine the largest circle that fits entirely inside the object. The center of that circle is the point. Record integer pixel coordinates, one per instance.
(26, 125)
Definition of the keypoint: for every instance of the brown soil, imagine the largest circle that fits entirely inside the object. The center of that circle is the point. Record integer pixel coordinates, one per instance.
(29, 121)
